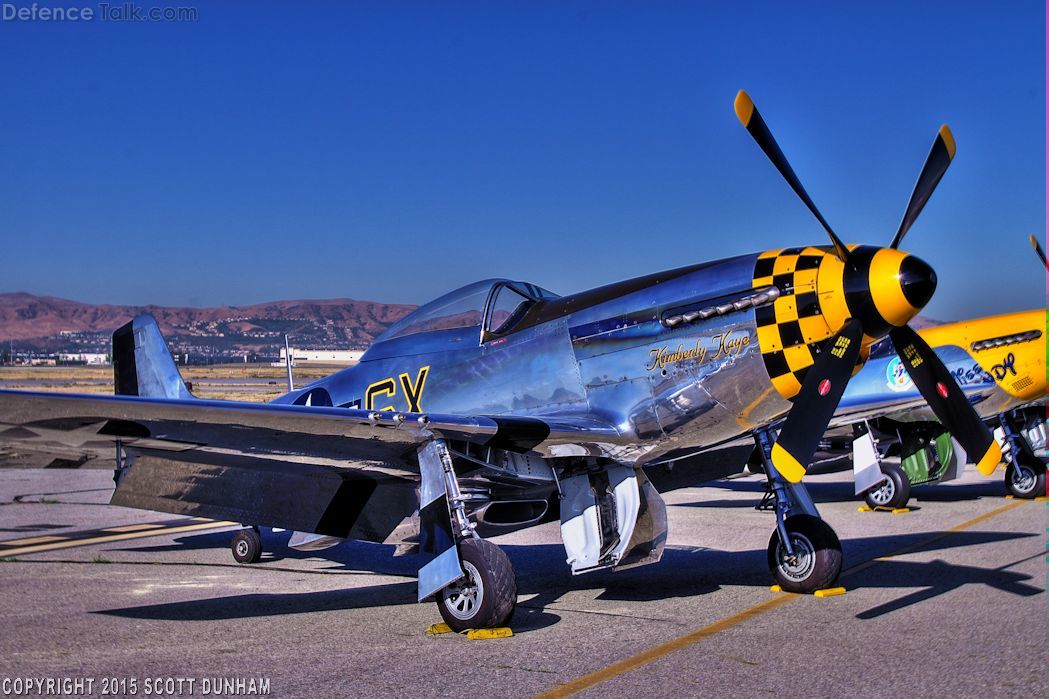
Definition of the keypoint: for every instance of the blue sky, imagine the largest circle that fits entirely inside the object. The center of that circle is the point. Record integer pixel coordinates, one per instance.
(394, 150)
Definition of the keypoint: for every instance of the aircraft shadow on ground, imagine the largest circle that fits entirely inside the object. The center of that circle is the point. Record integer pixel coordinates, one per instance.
(938, 577)
(45, 526)
(541, 571)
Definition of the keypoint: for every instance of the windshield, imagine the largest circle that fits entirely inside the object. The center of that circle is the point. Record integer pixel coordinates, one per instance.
(461, 308)
(508, 307)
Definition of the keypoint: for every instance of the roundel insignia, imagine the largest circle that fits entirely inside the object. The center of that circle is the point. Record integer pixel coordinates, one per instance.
(824, 387)
(941, 389)
(896, 376)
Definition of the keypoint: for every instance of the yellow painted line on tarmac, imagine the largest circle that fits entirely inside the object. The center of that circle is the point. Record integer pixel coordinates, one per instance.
(133, 528)
(652, 654)
(32, 540)
(72, 543)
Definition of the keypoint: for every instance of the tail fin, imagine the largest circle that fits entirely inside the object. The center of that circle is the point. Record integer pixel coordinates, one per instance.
(142, 364)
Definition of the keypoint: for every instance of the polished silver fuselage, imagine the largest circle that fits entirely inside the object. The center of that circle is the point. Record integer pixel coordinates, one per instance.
(609, 358)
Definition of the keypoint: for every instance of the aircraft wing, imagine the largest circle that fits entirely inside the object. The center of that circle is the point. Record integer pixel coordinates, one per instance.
(334, 471)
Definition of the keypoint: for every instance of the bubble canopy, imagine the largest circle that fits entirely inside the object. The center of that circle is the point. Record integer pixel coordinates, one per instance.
(459, 309)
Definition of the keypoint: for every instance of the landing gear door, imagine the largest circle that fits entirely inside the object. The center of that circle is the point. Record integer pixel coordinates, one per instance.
(650, 532)
(599, 514)
(866, 463)
(951, 457)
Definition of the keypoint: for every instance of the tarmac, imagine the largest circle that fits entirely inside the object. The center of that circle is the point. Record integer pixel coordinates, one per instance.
(945, 600)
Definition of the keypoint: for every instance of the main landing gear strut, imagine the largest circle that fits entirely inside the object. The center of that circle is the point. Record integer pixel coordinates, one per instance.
(471, 579)
(1025, 474)
(804, 553)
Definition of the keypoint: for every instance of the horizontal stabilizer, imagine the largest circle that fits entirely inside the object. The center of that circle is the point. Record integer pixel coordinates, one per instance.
(306, 541)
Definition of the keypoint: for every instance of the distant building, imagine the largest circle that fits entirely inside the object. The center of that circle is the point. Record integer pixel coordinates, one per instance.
(35, 361)
(88, 358)
(308, 356)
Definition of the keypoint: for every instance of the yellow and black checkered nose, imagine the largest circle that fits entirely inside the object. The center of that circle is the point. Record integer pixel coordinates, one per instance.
(883, 288)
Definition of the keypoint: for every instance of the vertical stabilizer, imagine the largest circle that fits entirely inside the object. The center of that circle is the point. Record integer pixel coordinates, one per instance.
(142, 364)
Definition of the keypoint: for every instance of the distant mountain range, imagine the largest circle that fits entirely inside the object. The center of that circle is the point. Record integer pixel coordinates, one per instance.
(47, 323)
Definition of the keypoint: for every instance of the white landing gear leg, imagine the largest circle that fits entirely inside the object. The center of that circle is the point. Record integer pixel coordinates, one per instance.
(471, 579)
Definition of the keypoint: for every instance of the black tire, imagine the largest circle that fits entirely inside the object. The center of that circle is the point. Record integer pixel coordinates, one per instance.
(817, 549)
(467, 605)
(893, 493)
(246, 546)
(1025, 477)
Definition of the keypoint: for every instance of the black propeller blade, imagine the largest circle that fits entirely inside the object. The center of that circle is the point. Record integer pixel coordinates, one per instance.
(1038, 251)
(936, 165)
(824, 383)
(946, 399)
(753, 123)
(816, 402)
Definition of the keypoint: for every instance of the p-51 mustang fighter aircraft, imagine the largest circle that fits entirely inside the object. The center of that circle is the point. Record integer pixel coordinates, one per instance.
(502, 405)
(1000, 363)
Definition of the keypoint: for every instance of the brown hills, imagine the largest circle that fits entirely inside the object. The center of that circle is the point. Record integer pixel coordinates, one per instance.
(348, 323)
(27, 317)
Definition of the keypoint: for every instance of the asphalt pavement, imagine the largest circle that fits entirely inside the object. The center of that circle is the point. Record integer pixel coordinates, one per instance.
(945, 600)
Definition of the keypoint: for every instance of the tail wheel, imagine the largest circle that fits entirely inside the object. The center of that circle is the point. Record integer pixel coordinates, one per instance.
(1025, 478)
(246, 546)
(816, 562)
(894, 492)
(486, 597)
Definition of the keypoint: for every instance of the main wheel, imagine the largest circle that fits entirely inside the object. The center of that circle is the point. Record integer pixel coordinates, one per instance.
(486, 597)
(816, 562)
(893, 493)
(1025, 477)
(246, 546)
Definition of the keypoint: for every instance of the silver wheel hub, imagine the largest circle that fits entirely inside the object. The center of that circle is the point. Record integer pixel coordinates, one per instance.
(884, 493)
(799, 567)
(242, 548)
(463, 599)
(1023, 479)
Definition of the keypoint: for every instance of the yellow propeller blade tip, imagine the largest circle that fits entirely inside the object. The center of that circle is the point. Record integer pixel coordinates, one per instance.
(1034, 241)
(786, 464)
(948, 140)
(990, 459)
(744, 108)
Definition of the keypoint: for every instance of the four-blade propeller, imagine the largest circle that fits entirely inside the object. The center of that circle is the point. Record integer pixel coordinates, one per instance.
(823, 385)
